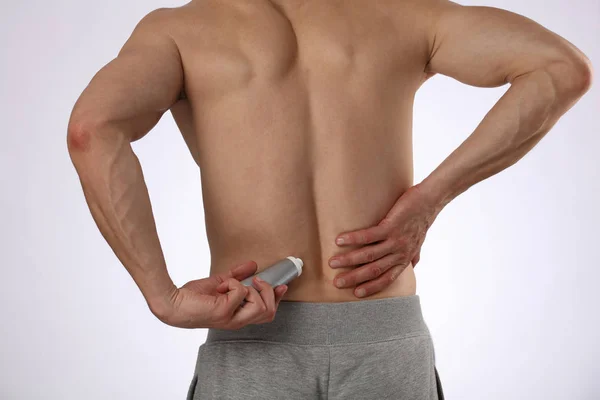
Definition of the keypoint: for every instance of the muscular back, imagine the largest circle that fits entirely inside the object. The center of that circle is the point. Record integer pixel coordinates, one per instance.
(299, 116)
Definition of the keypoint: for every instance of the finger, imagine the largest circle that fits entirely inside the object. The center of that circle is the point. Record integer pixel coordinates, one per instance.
(363, 236)
(268, 295)
(228, 304)
(380, 283)
(251, 311)
(416, 259)
(363, 255)
(367, 272)
(279, 292)
(222, 288)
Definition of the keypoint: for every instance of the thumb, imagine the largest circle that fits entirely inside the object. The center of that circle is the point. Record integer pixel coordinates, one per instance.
(239, 272)
(242, 271)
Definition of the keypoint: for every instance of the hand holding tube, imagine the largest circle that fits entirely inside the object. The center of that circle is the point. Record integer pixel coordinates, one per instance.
(214, 302)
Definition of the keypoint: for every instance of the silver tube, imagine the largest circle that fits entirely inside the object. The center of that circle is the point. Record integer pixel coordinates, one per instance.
(280, 273)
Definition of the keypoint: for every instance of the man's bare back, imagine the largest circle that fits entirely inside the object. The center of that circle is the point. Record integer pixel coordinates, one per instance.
(299, 115)
(301, 127)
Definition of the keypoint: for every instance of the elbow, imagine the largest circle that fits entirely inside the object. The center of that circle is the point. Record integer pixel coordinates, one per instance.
(582, 75)
(79, 136)
(84, 130)
(574, 75)
(81, 126)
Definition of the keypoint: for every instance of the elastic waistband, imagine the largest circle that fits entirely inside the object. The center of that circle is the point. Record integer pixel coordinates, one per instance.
(335, 323)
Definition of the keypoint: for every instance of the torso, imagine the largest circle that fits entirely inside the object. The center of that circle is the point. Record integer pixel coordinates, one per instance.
(299, 116)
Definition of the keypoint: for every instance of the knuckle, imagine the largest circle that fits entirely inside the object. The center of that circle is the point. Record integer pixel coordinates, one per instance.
(400, 252)
(398, 242)
(375, 271)
(386, 221)
(369, 255)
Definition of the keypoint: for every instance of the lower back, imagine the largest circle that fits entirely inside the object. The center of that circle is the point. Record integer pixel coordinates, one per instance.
(281, 180)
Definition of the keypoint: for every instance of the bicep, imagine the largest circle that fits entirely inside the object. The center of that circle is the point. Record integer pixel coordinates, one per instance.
(139, 85)
(488, 47)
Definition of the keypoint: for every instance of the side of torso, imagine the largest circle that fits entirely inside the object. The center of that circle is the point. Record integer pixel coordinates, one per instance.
(299, 115)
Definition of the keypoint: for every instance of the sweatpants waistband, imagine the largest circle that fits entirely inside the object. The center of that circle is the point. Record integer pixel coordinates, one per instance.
(334, 323)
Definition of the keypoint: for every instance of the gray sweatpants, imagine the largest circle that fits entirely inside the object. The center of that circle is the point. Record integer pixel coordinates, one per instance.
(367, 349)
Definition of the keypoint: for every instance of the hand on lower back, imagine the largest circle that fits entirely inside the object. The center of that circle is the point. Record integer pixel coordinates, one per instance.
(216, 301)
(389, 247)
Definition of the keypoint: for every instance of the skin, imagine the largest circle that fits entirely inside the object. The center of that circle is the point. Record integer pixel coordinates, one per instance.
(299, 116)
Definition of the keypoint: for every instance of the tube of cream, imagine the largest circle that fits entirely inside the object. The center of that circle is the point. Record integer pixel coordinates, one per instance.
(280, 273)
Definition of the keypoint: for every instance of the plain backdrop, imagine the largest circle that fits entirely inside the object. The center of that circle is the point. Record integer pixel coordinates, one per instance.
(508, 277)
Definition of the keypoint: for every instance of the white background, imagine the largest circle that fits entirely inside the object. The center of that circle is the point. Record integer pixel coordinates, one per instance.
(508, 277)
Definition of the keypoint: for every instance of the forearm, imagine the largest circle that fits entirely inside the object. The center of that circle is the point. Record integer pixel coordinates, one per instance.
(117, 196)
(516, 123)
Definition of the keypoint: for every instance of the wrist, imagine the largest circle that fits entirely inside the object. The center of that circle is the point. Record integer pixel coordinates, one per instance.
(433, 195)
(162, 304)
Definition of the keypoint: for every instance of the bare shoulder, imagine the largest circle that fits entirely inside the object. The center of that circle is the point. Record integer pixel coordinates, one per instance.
(154, 27)
(161, 20)
(158, 18)
(189, 22)
(172, 19)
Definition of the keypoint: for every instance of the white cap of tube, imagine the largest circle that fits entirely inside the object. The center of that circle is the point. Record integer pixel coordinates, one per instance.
(297, 262)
